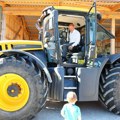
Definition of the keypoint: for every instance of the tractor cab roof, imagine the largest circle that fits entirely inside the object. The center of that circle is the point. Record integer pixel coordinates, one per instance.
(74, 9)
(69, 10)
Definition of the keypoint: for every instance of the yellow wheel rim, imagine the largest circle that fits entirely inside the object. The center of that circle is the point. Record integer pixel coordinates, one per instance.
(14, 92)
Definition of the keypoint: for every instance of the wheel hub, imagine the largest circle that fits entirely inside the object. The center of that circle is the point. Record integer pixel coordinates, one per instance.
(14, 92)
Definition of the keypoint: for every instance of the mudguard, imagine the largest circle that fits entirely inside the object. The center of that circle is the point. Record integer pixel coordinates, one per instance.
(101, 62)
(33, 57)
(113, 58)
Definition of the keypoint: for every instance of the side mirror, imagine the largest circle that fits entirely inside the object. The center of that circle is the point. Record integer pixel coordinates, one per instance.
(47, 34)
(99, 17)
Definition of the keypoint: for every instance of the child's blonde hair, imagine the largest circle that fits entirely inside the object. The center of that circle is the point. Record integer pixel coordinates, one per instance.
(71, 97)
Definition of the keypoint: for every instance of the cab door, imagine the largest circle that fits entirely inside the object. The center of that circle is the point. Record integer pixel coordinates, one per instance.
(91, 28)
(50, 36)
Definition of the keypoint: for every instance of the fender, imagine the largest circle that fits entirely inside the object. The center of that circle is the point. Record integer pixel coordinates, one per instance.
(113, 58)
(101, 62)
(34, 58)
(107, 60)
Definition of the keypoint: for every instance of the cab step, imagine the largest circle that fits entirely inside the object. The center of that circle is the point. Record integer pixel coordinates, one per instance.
(70, 84)
(69, 76)
(70, 88)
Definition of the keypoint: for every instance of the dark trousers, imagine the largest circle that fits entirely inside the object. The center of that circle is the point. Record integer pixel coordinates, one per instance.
(65, 50)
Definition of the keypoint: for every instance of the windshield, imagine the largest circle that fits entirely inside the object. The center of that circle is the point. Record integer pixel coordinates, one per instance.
(103, 34)
(103, 40)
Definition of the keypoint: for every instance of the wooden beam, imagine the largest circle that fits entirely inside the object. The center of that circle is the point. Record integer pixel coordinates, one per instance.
(101, 21)
(33, 2)
(25, 13)
(117, 33)
(116, 7)
(108, 24)
(85, 4)
(113, 40)
(25, 25)
(41, 7)
(110, 15)
(17, 33)
(59, 2)
(24, 10)
(38, 3)
(22, 33)
(32, 20)
(35, 34)
(36, 11)
(29, 23)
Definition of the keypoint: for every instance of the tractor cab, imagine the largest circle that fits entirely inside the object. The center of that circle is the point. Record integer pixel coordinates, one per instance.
(53, 27)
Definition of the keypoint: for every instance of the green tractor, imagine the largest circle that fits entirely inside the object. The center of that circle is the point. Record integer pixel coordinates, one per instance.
(32, 71)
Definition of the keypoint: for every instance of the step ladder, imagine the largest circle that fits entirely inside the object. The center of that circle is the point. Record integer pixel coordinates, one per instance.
(70, 84)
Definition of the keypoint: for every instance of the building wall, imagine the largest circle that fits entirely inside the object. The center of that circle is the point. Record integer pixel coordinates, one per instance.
(14, 28)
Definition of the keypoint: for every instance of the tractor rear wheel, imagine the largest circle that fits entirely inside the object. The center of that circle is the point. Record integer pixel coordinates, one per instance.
(23, 89)
(109, 90)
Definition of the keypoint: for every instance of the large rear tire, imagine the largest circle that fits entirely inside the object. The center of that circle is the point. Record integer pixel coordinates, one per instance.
(23, 89)
(109, 90)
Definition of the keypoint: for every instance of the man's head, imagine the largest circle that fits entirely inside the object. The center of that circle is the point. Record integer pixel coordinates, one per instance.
(71, 27)
(71, 97)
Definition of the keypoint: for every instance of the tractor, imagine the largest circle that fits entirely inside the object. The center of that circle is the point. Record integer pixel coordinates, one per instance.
(33, 71)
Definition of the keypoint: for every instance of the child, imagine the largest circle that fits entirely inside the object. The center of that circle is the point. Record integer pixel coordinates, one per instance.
(70, 111)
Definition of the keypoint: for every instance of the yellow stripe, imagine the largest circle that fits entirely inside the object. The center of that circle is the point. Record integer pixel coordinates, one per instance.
(9, 43)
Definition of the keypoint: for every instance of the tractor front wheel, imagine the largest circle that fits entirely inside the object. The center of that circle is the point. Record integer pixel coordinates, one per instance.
(23, 89)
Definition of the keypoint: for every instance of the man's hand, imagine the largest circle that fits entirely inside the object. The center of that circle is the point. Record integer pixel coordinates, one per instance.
(70, 47)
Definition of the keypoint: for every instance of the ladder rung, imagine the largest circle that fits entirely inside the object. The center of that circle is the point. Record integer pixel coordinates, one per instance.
(70, 88)
(69, 76)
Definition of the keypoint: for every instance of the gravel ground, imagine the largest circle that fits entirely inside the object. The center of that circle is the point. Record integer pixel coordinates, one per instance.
(90, 111)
